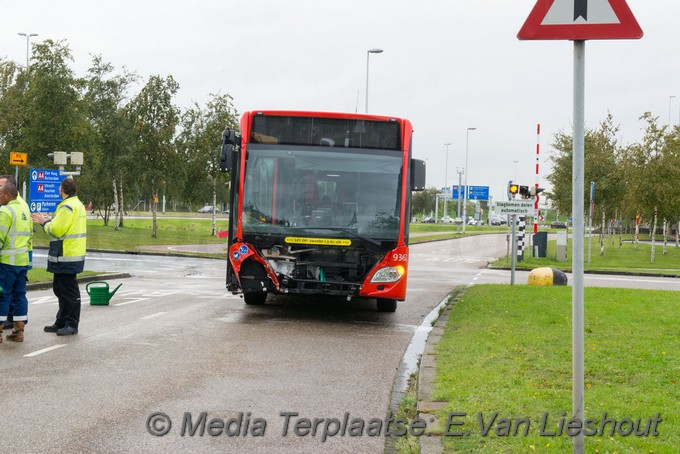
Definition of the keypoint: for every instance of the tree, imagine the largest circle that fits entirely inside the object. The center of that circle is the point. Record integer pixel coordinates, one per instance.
(54, 113)
(424, 201)
(602, 157)
(105, 98)
(198, 145)
(153, 118)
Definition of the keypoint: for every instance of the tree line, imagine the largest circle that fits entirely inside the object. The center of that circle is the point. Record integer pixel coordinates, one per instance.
(635, 184)
(137, 146)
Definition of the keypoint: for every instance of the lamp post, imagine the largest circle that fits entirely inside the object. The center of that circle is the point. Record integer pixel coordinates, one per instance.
(446, 177)
(467, 171)
(670, 99)
(460, 173)
(28, 38)
(515, 162)
(368, 54)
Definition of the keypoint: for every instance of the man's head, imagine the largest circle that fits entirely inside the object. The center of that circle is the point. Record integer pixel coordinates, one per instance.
(8, 192)
(68, 187)
(7, 179)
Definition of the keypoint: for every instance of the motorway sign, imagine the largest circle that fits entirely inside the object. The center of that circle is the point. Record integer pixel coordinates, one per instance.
(521, 207)
(580, 20)
(476, 192)
(17, 158)
(43, 195)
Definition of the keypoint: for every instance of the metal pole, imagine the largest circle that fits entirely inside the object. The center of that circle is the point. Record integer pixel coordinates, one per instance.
(577, 241)
(446, 176)
(467, 170)
(670, 125)
(368, 53)
(513, 250)
(590, 219)
(460, 173)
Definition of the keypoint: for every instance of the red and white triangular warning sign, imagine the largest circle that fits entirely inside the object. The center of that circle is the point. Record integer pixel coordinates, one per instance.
(580, 19)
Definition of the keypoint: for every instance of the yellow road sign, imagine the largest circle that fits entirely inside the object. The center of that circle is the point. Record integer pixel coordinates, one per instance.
(16, 158)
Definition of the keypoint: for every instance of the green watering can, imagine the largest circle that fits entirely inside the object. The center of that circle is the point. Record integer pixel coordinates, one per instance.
(99, 293)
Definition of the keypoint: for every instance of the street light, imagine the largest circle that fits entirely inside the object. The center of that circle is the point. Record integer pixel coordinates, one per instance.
(28, 38)
(446, 176)
(670, 98)
(368, 53)
(515, 161)
(467, 171)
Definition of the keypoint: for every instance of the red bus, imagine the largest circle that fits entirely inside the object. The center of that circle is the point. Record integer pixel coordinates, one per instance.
(320, 205)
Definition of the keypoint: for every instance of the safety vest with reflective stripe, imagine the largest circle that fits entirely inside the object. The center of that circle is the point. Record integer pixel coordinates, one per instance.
(68, 230)
(16, 231)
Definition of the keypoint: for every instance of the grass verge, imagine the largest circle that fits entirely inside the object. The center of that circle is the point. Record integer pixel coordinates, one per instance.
(616, 258)
(408, 410)
(507, 350)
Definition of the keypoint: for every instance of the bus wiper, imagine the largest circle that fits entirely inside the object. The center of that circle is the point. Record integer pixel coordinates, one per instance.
(347, 231)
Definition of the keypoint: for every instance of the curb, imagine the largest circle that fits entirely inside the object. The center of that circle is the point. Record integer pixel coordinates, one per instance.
(602, 272)
(98, 277)
(427, 407)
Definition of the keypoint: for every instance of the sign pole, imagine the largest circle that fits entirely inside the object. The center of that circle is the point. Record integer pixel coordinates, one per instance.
(577, 240)
(513, 250)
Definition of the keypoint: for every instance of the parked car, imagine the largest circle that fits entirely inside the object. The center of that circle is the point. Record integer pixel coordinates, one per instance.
(472, 221)
(207, 209)
(447, 220)
(498, 220)
(558, 225)
(428, 220)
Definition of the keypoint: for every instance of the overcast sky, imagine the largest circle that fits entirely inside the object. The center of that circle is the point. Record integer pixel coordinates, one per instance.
(447, 65)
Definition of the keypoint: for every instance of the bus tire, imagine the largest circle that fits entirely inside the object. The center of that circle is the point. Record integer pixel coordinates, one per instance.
(255, 299)
(387, 305)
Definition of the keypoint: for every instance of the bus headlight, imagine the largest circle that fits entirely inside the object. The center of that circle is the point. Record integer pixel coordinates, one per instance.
(389, 274)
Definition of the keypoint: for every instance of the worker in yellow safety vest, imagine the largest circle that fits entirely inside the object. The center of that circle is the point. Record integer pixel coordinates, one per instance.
(16, 232)
(10, 315)
(66, 256)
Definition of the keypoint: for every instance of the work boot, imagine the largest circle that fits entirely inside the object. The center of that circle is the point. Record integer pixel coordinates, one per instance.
(17, 334)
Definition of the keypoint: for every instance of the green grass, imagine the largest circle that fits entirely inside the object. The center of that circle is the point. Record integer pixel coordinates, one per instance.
(615, 258)
(41, 275)
(137, 232)
(507, 349)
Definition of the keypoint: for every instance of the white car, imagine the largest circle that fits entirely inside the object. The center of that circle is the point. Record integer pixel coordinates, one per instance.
(207, 209)
(447, 220)
(472, 221)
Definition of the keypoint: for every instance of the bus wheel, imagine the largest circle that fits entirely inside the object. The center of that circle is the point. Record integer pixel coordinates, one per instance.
(256, 299)
(387, 305)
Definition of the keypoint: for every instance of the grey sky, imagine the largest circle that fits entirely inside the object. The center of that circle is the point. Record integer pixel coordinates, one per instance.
(447, 65)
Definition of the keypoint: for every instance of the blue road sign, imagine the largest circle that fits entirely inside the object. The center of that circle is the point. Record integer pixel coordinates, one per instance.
(43, 195)
(476, 192)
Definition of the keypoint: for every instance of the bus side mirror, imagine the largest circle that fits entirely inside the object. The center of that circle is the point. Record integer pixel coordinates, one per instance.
(229, 139)
(417, 175)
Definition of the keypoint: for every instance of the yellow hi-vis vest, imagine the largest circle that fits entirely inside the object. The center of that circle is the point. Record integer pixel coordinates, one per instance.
(16, 232)
(68, 230)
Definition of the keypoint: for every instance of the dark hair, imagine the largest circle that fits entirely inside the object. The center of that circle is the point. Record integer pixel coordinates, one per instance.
(9, 178)
(11, 189)
(68, 185)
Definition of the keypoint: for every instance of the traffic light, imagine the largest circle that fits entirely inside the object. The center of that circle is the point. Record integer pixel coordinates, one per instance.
(513, 189)
(524, 192)
(534, 191)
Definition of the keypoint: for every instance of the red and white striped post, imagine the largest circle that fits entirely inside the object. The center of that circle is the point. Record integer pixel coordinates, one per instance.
(538, 148)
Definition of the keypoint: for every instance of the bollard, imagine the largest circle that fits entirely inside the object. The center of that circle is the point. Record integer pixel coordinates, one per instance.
(547, 276)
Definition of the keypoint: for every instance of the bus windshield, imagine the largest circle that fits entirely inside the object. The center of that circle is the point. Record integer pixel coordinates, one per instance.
(289, 189)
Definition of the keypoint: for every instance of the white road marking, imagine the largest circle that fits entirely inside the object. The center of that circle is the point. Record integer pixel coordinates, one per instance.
(157, 314)
(136, 300)
(44, 350)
